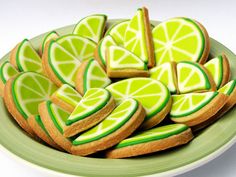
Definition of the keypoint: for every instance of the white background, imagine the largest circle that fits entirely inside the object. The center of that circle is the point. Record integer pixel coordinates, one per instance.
(28, 18)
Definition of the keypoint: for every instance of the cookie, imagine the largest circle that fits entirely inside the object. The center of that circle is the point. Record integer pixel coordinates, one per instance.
(121, 123)
(37, 126)
(54, 118)
(195, 108)
(219, 69)
(166, 73)
(153, 140)
(66, 97)
(153, 95)
(138, 37)
(47, 38)
(7, 71)
(95, 106)
(90, 75)
(100, 52)
(193, 77)
(25, 58)
(91, 27)
(121, 63)
(63, 56)
(180, 39)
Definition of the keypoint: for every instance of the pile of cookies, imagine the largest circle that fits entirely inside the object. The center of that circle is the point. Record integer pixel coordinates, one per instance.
(125, 90)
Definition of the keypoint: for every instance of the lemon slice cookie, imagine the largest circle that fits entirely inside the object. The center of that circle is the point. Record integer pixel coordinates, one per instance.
(121, 123)
(153, 140)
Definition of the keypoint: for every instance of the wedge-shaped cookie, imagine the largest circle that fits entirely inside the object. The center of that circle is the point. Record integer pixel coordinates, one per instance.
(91, 27)
(121, 123)
(153, 140)
(91, 75)
(37, 126)
(153, 95)
(7, 70)
(54, 118)
(25, 58)
(166, 73)
(95, 106)
(23, 94)
(100, 52)
(219, 69)
(180, 39)
(63, 56)
(193, 77)
(121, 63)
(195, 108)
(47, 38)
(138, 37)
(66, 97)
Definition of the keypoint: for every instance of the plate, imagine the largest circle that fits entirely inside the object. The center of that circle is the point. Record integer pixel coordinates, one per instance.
(207, 145)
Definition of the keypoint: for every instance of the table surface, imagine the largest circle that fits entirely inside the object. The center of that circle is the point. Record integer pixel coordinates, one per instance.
(26, 19)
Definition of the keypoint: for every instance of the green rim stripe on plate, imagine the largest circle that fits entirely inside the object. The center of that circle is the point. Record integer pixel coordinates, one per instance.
(86, 74)
(146, 139)
(17, 55)
(40, 123)
(197, 108)
(111, 130)
(208, 84)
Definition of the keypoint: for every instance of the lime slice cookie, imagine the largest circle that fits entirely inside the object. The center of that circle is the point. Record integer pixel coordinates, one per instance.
(166, 73)
(121, 63)
(219, 69)
(117, 31)
(7, 71)
(91, 27)
(91, 75)
(101, 50)
(25, 58)
(138, 37)
(153, 95)
(121, 123)
(153, 140)
(23, 95)
(35, 122)
(95, 106)
(193, 77)
(180, 39)
(54, 118)
(66, 97)
(195, 108)
(47, 38)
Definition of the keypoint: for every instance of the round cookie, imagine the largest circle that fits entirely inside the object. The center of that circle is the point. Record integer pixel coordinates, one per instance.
(121, 123)
(219, 69)
(193, 77)
(23, 94)
(91, 27)
(7, 71)
(138, 37)
(47, 38)
(193, 109)
(121, 63)
(54, 118)
(91, 75)
(153, 95)
(95, 106)
(180, 39)
(153, 140)
(25, 58)
(37, 126)
(66, 97)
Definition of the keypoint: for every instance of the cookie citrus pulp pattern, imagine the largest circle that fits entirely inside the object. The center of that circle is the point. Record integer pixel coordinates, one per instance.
(180, 39)
(91, 27)
(153, 95)
(114, 121)
(7, 70)
(91, 75)
(228, 88)
(25, 58)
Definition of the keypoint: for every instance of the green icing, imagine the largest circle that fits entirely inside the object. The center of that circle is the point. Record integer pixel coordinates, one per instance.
(153, 135)
(7, 71)
(49, 37)
(40, 123)
(228, 88)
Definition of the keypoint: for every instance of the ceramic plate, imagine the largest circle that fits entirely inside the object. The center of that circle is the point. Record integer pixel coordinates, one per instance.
(207, 144)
